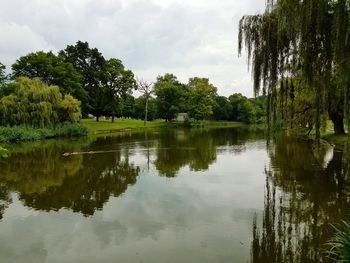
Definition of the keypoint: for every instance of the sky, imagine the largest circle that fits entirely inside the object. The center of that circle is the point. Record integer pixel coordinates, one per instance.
(152, 37)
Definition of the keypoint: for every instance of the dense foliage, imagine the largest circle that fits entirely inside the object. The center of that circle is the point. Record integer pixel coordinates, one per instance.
(27, 133)
(32, 102)
(45, 89)
(52, 70)
(305, 43)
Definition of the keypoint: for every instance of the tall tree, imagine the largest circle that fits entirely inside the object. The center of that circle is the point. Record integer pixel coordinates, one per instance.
(91, 65)
(52, 70)
(202, 95)
(146, 89)
(171, 95)
(118, 82)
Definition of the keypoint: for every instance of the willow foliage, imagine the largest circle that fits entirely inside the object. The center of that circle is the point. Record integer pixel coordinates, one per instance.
(31, 102)
(301, 39)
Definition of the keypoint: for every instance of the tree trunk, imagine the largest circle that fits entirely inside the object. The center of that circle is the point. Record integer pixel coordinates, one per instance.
(336, 115)
(113, 118)
(338, 125)
(97, 118)
(146, 112)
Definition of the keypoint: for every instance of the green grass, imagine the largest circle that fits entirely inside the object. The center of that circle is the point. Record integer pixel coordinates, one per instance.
(336, 139)
(120, 125)
(126, 124)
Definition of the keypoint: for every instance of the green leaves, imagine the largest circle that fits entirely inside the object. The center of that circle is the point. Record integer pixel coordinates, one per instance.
(301, 39)
(52, 70)
(32, 102)
(339, 246)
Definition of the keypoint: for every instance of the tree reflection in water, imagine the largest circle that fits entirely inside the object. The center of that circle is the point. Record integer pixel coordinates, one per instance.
(47, 181)
(302, 200)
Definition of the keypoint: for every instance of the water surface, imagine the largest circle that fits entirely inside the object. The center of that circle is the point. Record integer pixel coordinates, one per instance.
(211, 195)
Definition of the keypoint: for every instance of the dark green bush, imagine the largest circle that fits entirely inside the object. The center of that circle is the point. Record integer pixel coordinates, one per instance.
(26, 133)
(71, 130)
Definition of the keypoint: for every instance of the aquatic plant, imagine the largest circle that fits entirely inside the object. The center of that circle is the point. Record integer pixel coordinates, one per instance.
(340, 244)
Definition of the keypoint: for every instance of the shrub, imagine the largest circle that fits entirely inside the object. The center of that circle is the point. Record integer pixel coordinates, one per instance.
(71, 130)
(26, 133)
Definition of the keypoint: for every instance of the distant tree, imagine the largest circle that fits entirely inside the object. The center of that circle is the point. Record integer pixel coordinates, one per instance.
(92, 66)
(139, 108)
(52, 70)
(127, 106)
(222, 108)
(3, 76)
(242, 108)
(118, 82)
(146, 89)
(32, 102)
(172, 96)
(202, 95)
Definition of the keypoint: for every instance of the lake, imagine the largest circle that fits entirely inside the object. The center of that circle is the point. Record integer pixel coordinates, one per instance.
(171, 195)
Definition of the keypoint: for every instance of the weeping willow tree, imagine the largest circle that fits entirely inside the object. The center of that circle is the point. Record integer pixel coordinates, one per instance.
(307, 40)
(32, 102)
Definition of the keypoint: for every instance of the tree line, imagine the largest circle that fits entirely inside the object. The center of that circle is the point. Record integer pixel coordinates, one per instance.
(104, 87)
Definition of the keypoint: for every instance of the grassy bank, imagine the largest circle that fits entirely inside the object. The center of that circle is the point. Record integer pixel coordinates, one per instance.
(119, 125)
(26, 133)
(106, 126)
(336, 139)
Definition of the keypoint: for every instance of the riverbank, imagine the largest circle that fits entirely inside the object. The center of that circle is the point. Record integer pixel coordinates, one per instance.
(336, 139)
(121, 125)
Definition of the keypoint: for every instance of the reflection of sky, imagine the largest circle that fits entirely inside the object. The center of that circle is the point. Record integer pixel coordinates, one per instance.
(196, 217)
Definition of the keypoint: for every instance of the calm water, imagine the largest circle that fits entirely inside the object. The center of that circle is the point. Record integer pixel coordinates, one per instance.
(218, 195)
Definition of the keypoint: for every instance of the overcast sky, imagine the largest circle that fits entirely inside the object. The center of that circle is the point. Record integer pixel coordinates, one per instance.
(185, 37)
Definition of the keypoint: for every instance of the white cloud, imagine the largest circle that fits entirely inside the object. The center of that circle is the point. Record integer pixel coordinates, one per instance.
(188, 38)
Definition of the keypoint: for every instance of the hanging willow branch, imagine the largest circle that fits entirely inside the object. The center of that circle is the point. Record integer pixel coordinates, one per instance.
(300, 38)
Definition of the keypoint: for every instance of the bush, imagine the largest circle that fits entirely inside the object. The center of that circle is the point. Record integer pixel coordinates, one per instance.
(71, 130)
(26, 133)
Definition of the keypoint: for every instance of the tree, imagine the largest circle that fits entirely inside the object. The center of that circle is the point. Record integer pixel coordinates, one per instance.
(147, 89)
(70, 109)
(222, 108)
(171, 95)
(90, 63)
(303, 39)
(242, 108)
(202, 95)
(3, 76)
(32, 102)
(118, 82)
(52, 70)
(127, 106)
